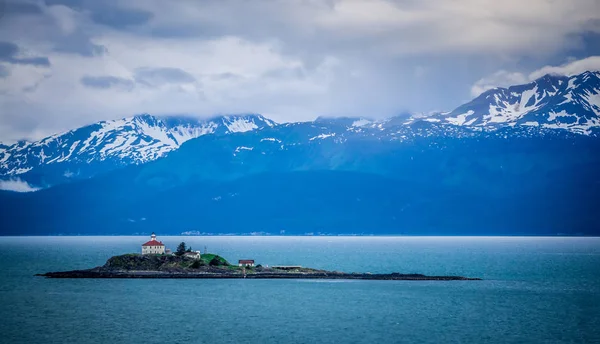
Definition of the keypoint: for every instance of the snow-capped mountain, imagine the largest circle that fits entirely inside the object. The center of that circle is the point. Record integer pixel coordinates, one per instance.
(552, 101)
(110, 144)
(552, 105)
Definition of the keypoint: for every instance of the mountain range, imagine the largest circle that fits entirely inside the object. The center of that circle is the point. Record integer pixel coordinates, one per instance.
(517, 160)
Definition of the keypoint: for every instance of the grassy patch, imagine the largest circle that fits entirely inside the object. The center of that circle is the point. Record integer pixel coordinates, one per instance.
(209, 257)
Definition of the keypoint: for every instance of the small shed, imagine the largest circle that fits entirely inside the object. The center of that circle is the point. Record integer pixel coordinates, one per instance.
(246, 262)
(193, 254)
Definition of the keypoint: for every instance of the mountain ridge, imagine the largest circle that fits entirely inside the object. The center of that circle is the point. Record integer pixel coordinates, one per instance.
(551, 101)
(476, 184)
(102, 146)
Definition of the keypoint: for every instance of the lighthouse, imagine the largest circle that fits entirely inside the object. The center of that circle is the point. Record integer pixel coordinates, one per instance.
(153, 246)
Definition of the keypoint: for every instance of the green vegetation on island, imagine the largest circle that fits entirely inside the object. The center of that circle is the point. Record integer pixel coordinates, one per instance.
(165, 262)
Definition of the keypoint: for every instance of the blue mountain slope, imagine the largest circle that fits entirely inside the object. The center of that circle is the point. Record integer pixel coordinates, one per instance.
(301, 179)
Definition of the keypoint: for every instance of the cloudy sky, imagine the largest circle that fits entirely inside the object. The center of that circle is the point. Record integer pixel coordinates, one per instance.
(66, 63)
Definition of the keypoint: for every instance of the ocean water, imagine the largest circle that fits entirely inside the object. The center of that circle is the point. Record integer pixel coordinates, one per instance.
(535, 290)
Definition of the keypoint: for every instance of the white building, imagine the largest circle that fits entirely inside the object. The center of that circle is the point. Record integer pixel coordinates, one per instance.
(153, 246)
(193, 254)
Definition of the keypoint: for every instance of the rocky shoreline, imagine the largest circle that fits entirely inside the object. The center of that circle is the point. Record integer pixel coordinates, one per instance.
(92, 273)
(214, 267)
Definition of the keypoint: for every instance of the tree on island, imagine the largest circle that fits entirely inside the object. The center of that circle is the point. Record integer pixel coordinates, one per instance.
(180, 249)
(215, 261)
(197, 263)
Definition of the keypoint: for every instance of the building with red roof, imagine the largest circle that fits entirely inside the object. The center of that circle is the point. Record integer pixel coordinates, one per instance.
(153, 246)
(246, 262)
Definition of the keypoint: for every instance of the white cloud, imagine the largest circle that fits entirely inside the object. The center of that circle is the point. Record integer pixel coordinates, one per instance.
(591, 63)
(503, 78)
(299, 60)
(65, 18)
(231, 75)
(16, 185)
(403, 27)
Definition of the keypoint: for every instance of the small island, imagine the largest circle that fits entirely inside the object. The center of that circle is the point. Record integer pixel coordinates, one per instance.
(156, 262)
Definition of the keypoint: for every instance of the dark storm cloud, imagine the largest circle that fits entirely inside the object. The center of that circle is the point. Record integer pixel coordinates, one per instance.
(9, 52)
(161, 76)
(106, 82)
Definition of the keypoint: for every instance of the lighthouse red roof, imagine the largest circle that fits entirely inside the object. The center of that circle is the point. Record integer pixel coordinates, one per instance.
(153, 243)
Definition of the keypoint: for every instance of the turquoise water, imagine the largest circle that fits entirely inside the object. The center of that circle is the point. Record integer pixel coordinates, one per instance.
(535, 290)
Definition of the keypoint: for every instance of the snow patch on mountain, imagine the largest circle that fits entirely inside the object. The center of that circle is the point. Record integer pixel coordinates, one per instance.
(183, 133)
(552, 101)
(322, 136)
(361, 122)
(240, 124)
(132, 140)
(460, 119)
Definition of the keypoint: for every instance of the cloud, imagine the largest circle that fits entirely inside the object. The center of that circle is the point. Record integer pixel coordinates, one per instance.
(64, 17)
(591, 63)
(146, 76)
(503, 78)
(16, 185)
(80, 45)
(161, 76)
(106, 82)
(9, 53)
(3, 72)
(21, 8)
(302, 59)
(121, 18)
(398, 27)
(8, 50)
(70, 33)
